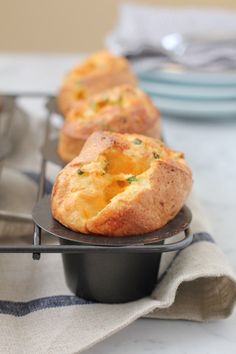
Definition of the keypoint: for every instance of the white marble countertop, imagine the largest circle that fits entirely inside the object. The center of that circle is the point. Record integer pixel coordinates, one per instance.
(211, 151)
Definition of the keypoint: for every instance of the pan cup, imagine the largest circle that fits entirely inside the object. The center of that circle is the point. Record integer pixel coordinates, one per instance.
(111, 277)
(113, 269)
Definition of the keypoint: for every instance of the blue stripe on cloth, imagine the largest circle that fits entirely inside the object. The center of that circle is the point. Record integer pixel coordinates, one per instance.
(19, 309)
(202, 236)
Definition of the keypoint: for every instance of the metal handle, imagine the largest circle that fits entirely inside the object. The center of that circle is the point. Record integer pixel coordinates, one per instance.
(41, 185)
(74, 249)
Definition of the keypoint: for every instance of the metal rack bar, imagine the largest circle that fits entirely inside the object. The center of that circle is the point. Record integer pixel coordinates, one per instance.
(41, 186)
(27, 94)
(74, 249)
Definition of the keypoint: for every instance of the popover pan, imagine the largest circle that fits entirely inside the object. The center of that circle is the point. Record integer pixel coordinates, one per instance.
(113, 269)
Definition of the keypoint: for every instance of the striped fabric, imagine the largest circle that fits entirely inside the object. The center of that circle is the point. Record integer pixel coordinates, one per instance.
(20, 308)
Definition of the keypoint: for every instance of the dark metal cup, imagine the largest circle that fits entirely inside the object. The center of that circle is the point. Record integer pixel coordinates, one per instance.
(112, 269)
(111, 277)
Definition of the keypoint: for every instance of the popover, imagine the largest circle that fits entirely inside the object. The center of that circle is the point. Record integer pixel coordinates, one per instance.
(97, 73)
(120, 185)
(123, 109)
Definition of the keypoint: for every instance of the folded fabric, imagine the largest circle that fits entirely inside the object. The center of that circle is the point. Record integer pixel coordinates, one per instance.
(18, 192)
(141, 29)
(17, 195)
(20, 170)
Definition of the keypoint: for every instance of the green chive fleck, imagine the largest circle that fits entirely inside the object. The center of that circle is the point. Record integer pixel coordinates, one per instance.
(106, 127)
(156, 155)
(78, 83)
(80, 172)
(105, 99)
(131, 179)
(120, 100)
(137, 141)
(105, 168)
(93, 105)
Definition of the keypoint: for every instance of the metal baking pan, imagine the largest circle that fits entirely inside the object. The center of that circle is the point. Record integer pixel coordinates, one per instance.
(98, 268)
(113, 269)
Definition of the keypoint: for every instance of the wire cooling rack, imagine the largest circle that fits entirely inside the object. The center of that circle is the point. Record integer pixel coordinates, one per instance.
(8, 106)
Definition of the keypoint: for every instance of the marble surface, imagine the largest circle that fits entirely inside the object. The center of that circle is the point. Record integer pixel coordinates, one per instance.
(210, 148)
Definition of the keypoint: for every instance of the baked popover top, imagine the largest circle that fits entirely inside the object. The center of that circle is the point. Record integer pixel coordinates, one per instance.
(123, 109)
(121, 184)
(98, 72)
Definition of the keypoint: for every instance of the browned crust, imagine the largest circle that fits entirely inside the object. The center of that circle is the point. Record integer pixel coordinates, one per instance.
(151, 209)
(97, 143)
(141, 117)
(70, 143)
(117, 73)
(169, 183)
(154, 131)
(68, 146)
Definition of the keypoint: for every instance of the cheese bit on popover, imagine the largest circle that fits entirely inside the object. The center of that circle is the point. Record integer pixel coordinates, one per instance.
(95, 74)
(123, 109)
(120, 185)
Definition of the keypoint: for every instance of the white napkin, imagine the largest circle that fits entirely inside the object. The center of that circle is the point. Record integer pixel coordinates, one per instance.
(141, 28)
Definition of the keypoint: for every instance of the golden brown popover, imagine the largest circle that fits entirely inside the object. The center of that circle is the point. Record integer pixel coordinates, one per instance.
(121, 184)
(123, 109)
(97, 73)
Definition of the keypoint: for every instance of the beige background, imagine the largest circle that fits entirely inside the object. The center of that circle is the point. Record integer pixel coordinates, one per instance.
(67, 25)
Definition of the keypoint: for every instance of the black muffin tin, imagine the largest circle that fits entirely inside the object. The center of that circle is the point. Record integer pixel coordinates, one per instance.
(112, 269)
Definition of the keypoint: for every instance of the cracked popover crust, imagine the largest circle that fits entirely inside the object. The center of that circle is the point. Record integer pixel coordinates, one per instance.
(120, 185)
(123, 109)
(95, 74)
